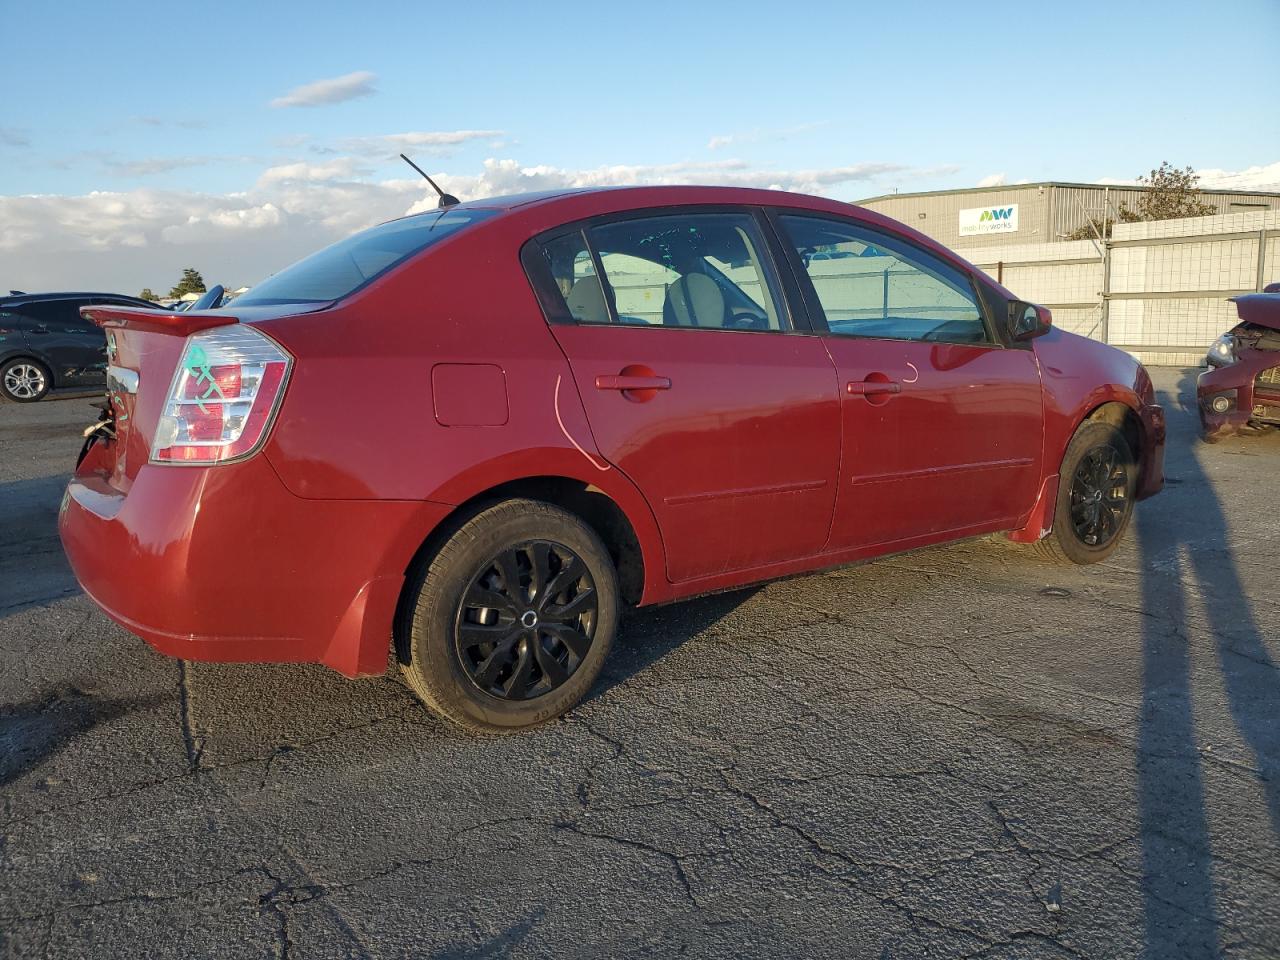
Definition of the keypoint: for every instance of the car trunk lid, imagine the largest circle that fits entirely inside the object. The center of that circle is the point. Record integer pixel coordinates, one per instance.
(143, 349)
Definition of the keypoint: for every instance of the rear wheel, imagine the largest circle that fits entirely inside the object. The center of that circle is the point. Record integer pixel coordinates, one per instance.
(1095, 496)
(23, 380)
(510, 622)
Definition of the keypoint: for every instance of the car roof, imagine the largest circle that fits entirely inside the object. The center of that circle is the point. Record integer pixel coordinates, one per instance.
(13, 300)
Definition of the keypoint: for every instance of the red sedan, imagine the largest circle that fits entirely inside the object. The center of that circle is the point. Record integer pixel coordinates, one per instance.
(474, 435)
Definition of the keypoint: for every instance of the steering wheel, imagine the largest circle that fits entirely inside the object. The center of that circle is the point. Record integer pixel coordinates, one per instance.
(742, 320)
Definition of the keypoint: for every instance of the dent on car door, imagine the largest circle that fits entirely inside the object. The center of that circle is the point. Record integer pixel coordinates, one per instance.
(696, 385)
(942, 422)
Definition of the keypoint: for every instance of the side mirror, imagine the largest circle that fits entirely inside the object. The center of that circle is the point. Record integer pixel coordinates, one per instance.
(1028, 320)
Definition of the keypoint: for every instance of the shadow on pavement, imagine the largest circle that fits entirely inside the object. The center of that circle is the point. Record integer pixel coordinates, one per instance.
(33, 568)
(33, 731)
(1181, 909)
(649, 634)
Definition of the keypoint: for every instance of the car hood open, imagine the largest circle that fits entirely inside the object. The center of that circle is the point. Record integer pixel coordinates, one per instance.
(1262, 309)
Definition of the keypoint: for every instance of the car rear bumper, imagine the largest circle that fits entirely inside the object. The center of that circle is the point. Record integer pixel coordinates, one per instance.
(1237, 384)
(225, 564)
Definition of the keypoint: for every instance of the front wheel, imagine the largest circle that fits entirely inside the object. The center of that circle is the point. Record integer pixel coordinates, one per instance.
(1095, 496)
(510, 622)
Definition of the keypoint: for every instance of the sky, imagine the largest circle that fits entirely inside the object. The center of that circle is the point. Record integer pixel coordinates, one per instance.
(140, 138)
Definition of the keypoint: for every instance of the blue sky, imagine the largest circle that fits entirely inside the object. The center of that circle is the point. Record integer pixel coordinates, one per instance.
(135, 136)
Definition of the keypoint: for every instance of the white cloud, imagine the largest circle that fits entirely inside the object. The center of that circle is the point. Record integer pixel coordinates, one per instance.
(992, 180)
(1265, 178)
(217, 223)
(430, 141)
(125, 240)
(342, 168)
(507, 176)
(319, 93)
(715, 143)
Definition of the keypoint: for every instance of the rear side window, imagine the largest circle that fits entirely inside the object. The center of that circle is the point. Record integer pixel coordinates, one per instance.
(56, 316)
(700, 270)
(13, 321)
(349, 264)
(873, 285)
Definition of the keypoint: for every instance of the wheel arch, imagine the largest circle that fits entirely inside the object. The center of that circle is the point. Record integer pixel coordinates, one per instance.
(630, 536)
(1124, 418)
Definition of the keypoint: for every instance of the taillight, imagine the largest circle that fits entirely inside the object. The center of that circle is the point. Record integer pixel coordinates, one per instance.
(223, 396)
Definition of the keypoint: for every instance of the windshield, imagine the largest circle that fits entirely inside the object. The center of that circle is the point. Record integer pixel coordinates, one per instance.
(349, 264)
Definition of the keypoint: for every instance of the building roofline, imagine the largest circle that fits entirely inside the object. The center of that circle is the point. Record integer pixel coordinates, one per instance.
(1058, 183)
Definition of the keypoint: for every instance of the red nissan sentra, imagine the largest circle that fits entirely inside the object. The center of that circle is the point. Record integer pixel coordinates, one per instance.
(474, 435)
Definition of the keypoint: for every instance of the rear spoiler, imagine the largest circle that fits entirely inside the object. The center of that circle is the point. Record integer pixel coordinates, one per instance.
(156, 321)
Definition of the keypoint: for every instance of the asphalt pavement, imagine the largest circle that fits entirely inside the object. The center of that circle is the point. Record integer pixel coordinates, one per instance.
(960, 752)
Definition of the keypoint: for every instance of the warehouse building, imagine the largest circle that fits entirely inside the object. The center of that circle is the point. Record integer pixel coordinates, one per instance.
(1031, 212)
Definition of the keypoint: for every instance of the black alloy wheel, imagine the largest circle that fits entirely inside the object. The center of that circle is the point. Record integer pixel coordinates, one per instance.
(527, 620)
(508, 622)
(1097, 483)
(1099, 496)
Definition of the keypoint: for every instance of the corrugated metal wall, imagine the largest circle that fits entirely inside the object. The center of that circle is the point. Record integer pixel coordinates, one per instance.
(1046, 212)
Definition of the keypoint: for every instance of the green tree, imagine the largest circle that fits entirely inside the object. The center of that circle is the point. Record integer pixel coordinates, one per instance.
(1087, 232)
(1171, 194)
(191, 282)
(146, 294)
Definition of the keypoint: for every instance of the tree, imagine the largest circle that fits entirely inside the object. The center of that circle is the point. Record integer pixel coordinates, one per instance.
(191, 282)
(146, 294)
(1169, 195)
(1173, 193)
(1087, 232)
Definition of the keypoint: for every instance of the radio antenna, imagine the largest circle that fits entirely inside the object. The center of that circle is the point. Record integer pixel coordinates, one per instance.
(446, 199)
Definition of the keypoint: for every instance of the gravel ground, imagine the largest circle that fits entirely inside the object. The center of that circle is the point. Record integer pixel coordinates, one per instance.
(954, 753)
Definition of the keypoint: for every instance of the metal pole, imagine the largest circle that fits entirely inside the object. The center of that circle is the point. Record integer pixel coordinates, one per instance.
(1106, 292)
(1262, 260)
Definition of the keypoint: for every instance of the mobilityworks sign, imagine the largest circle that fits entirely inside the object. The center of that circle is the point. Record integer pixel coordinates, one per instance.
(989, 220)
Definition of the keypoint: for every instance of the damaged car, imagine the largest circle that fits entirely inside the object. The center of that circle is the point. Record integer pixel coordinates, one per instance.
(472, 437)
(1240, 391)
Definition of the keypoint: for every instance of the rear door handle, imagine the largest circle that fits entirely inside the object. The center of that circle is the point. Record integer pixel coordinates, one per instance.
(867, 388)
(621, 382)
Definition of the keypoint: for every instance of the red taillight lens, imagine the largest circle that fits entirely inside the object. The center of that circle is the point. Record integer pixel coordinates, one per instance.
(223, 397)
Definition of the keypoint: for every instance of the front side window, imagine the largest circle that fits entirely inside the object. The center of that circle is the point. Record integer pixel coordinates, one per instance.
(873, 285)
(696, 270)
(340, 269)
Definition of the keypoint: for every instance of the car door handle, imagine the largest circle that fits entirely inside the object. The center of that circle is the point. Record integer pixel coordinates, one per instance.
(621, 382)
(868, 388)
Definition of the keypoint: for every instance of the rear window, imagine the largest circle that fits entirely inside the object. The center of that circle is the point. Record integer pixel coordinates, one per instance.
(349, 264)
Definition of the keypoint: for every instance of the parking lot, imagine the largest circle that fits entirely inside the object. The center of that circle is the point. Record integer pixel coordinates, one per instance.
(955, 753)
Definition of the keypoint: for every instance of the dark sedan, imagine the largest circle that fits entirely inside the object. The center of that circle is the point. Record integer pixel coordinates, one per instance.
(45, 343)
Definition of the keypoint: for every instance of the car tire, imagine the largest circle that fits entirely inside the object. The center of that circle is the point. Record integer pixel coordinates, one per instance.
(23, 380)
(1095, 496)
(492, 655)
